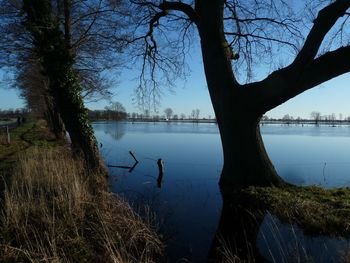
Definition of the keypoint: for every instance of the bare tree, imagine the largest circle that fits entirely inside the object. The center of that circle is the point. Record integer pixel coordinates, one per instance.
(197, 111)
(332, 118)
(236, 37)
(193, 114)
(90, 26)
(316, 116)
(115, 110)
(168, 113)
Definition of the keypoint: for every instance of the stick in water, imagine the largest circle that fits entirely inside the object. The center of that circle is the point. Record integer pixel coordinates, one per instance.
(161, 172)
(133, 156)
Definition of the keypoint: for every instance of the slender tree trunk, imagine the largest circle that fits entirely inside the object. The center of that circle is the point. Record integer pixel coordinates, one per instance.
(54, 119)
(66, 92)
(53, 47)
(236, 107)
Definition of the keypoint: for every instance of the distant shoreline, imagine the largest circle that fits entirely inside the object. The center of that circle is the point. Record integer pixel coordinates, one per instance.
(263, 122)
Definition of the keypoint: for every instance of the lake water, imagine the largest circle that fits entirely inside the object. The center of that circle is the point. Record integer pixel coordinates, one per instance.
(188, 203)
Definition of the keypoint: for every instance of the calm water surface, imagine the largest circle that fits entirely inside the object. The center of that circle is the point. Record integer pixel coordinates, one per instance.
(188, 204)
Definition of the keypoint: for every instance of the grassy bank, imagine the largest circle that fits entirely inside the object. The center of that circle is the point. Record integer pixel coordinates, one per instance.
(316, 212)
(52, 213)
(314, 209)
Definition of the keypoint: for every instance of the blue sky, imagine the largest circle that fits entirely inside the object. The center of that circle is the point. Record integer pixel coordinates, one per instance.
(330, 97)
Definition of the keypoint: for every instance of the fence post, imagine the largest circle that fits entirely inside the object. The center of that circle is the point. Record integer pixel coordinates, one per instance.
(8, 135)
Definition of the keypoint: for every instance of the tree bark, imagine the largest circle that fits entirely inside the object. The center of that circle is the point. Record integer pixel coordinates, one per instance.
(237, 111)
(245, 159)
(54, 119)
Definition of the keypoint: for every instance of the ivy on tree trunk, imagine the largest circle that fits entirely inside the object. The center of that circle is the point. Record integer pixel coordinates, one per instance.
(52, 47)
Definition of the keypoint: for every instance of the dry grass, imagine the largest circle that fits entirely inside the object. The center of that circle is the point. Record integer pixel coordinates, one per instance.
(316, 210)
(52, 214)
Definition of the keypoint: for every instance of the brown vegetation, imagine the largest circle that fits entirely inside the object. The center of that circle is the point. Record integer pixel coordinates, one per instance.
(52, 214)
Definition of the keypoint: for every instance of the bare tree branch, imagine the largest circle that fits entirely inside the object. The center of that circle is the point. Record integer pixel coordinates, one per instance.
(325, 20)
(179, 6)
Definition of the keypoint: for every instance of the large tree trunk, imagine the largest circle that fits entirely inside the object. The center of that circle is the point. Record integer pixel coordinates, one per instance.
(245, 159)
(237, 108)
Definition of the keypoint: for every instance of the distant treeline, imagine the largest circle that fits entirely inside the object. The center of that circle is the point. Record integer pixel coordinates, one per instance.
(12, 113)
(305, 121)
(107, 115)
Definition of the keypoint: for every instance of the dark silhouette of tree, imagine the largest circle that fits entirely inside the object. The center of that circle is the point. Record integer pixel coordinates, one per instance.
(236, 36)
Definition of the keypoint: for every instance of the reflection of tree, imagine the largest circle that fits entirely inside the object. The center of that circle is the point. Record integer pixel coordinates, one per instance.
(237, 232)
(115, 130)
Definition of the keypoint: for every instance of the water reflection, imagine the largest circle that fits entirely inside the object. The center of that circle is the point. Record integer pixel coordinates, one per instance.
(131, 168)
(281, 242)
(114, 129)
(237, 232)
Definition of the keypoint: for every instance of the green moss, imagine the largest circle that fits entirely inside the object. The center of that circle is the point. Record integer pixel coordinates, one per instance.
(314, 209)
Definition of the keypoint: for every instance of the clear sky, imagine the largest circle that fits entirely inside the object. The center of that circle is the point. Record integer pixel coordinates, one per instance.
(330, 97)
